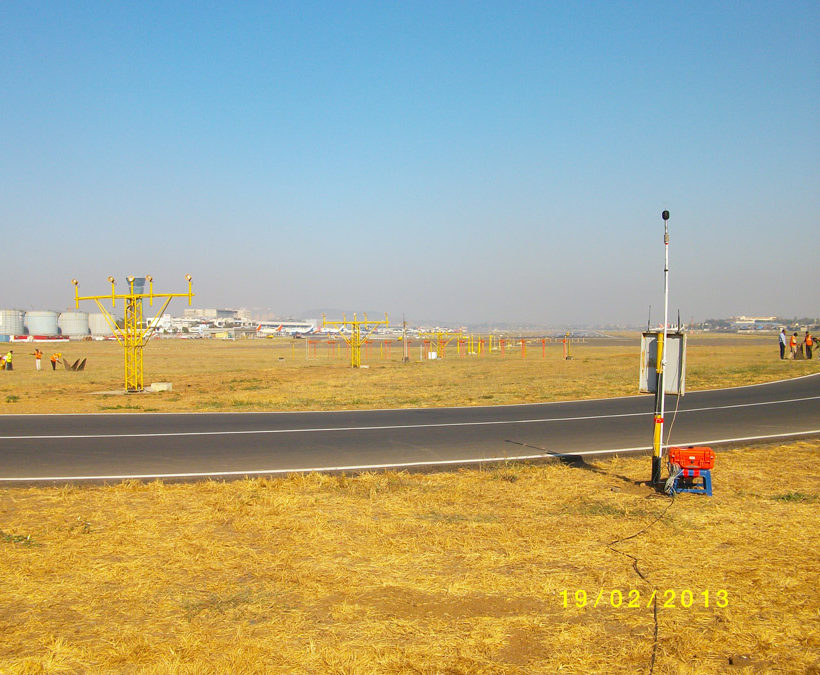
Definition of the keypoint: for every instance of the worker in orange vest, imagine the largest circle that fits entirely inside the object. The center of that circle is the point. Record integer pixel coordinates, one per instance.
(793, 345)
(54, 358)
(37, 356)
(809, 342)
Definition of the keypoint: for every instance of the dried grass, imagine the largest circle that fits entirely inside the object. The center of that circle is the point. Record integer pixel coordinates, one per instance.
(413, 573)
(215, 375)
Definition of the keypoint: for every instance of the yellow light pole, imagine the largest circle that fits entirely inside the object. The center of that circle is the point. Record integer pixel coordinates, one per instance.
(568, 346)
(356, 340)
(442, 338)
(134, 334)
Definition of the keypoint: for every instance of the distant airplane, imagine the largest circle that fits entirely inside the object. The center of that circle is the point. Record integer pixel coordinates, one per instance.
(276, 328)
(267, 328)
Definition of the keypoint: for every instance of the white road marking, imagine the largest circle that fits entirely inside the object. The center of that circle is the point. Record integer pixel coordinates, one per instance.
(240, 432)
(398, 465)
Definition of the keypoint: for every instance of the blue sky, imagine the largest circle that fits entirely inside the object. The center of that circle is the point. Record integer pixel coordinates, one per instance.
(455, 161)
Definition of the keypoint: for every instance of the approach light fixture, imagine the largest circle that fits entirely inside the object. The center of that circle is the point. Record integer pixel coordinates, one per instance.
(665, 215)
(133, 332)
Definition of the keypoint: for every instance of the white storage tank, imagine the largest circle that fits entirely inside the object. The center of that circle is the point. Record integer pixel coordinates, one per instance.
(11, 322)
(42, 323)
(98, 325)
(73, 324)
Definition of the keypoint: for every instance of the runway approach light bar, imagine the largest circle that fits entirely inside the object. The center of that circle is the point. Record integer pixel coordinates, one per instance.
(356, 340)
(134, 335)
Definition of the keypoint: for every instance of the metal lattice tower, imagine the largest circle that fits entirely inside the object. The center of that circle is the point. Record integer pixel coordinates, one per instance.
(356, 340)
(442, 339)
(134, 334)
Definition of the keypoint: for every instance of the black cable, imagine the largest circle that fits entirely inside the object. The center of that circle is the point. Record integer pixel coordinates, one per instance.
(610, 546)
(674, 417)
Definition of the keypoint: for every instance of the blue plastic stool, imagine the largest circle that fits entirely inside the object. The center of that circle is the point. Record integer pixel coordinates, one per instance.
(685, 481)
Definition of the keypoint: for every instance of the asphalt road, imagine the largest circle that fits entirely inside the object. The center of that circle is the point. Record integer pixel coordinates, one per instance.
(111, 447)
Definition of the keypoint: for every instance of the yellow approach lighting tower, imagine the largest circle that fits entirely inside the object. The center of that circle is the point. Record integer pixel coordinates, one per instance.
(442, 339)
(356, 339)
(135, 333)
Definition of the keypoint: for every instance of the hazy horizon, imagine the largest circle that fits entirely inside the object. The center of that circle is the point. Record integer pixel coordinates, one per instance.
(481, 161)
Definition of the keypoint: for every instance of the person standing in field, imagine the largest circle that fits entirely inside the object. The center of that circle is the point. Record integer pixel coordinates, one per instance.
(793, 345)
(782, 343)
(38, 355)
(808, 341)
(9, 358)
(56, 356)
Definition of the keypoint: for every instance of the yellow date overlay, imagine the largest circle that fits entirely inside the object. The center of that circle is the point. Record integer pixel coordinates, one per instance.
(632, 599)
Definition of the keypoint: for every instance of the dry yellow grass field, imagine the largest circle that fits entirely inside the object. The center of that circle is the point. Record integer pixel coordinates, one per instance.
(212, 375)
(459, 572)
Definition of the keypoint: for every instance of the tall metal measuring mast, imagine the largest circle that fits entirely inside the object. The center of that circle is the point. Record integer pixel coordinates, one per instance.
(657, 443)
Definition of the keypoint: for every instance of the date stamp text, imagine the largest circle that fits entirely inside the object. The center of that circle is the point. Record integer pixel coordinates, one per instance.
(633, 599)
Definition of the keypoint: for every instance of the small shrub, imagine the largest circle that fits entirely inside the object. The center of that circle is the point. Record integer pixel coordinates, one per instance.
(795, 497)
(240, 403)
(25, 540)
(508, 476)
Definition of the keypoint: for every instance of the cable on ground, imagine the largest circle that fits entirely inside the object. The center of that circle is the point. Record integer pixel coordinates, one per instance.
(611, 546)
